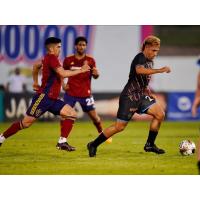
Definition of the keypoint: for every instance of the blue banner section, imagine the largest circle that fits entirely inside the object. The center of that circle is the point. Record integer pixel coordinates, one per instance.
(13, 106)
(179, 106)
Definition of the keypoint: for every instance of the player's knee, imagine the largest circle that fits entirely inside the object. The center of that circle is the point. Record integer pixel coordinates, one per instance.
(68, 113)
(26, 125)
(160, 116)
(119, 127)
(74, 114)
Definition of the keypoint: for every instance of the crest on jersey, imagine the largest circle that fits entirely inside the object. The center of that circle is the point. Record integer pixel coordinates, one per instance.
(38, 112)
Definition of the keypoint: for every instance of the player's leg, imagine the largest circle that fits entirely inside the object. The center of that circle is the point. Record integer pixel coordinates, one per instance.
(88, 106)
(26, 122)
(158, 114)
(95, 119)
(198, 155)
(124, 114)
(68, 115)
(107, 133)
(97, 122)
(36, 109)
(66, 126)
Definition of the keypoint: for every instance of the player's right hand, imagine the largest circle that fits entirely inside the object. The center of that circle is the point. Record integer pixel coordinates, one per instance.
(166, 69)
(85, 68)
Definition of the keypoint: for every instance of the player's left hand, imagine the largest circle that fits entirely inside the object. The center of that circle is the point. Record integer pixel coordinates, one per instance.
(95, 72)
(36, 87)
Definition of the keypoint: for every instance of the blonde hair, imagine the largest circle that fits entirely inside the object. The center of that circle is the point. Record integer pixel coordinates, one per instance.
(150, 40)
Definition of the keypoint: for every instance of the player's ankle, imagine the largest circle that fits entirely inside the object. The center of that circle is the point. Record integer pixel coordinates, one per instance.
(62, 140)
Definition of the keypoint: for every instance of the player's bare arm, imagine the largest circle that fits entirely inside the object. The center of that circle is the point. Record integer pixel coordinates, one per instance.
(148, 71)
(67, 73)
(95, 73)
(65, 86)
(36, 68)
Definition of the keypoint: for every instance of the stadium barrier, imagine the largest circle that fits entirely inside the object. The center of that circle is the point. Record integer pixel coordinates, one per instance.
(13, 106)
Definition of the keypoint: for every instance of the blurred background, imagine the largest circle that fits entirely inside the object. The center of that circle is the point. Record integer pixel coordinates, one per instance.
(113, 48)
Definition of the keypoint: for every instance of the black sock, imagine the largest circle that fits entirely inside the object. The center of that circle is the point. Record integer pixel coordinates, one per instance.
(152, 137)
(99, 140)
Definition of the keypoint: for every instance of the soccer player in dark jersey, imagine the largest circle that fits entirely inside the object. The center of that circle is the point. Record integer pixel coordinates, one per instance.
(195, 105)
(78, 89)
(46, 97)
(136, 97)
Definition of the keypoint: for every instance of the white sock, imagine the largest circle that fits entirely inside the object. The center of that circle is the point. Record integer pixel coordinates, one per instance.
(2, 138)
(62, 140)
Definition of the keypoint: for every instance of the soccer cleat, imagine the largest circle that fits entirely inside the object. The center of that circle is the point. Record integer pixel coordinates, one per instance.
(65, 146)
(92, 150)
(109, 140)
(0, 144)
(153, 148)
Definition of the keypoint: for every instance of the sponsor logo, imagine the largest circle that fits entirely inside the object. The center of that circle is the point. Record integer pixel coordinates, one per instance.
(184, 103)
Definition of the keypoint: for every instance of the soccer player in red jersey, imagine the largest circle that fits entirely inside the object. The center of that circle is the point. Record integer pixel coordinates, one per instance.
(46, 97)
(136, 97)
(78, 89)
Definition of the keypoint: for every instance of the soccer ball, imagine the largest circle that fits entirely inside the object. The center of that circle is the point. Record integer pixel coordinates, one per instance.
(187, 147)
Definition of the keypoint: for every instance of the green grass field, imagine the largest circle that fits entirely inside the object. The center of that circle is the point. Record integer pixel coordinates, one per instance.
(32, 151)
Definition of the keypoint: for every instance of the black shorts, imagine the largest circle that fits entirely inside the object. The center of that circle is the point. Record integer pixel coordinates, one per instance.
(127, 108)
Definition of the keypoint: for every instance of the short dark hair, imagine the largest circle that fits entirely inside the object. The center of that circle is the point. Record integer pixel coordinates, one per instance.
(81, 38)
(52, 40)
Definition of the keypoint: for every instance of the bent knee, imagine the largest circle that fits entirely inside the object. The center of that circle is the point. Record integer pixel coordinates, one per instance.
(74, 114)
(69, 115)
(25, 124)
(68, 112)
(160, 116)
(119, 127)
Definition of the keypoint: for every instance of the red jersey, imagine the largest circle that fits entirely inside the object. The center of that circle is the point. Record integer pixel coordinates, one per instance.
(79, 85)
(51, 83)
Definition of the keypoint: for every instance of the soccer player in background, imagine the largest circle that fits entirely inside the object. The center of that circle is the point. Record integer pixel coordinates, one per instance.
(78, 89)
(46, 97)
(195, 105)
(136, 97)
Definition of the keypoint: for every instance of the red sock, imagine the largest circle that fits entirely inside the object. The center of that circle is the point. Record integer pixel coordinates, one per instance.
(14, 128)
(66, 127)
(98, 126)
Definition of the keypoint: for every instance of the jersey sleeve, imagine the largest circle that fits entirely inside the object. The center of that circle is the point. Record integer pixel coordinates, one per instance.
(54, 62)
(140, 59)
(66, 64)
(93, 63)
